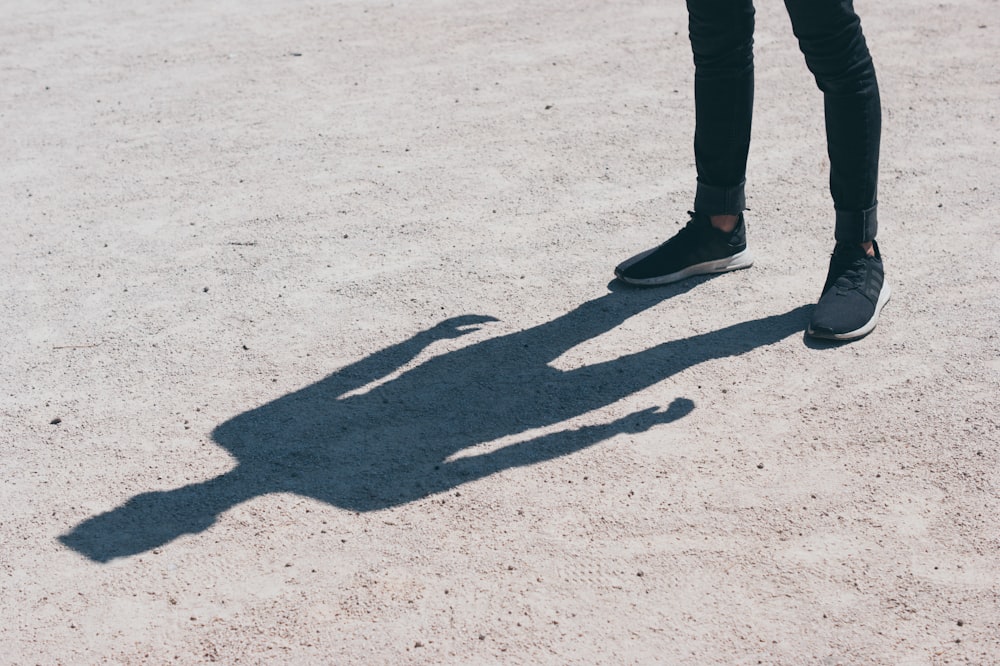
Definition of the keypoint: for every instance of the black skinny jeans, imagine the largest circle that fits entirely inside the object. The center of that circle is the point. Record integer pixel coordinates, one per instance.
(829, 34)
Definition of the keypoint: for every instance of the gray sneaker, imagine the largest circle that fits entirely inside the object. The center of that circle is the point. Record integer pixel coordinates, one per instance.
(853, 296)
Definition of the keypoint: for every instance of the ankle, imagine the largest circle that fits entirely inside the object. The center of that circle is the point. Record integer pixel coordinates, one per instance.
(869, 248)
(726, 223)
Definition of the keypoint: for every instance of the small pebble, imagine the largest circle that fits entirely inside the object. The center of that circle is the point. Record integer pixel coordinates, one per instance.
(56, 421)
(760, 465)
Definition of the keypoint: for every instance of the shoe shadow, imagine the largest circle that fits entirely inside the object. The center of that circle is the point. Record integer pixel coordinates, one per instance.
(364, 440)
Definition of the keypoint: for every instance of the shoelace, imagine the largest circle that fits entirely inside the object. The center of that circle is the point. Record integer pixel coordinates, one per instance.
(691, 226)
(688, 229)
(850, 272)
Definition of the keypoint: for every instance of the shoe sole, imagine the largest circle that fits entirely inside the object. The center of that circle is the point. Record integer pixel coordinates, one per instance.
(883, 298)
(736, 262)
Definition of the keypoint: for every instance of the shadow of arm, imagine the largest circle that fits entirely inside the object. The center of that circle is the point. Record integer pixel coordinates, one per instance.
(386, 361)
(565, 442)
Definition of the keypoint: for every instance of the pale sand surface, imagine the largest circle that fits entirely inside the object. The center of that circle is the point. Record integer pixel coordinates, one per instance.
(320, 293)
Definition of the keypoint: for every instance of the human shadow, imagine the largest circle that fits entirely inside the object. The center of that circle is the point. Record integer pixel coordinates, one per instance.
(364, 440)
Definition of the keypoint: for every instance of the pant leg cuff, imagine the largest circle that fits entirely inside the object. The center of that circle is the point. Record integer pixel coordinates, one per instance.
(713, 200)
(856, 226)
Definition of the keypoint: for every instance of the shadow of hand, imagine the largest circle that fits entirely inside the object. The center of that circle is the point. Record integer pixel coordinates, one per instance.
(456, 327)
(645, 419)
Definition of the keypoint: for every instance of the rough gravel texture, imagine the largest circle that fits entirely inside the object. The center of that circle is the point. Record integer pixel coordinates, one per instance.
(311, 352)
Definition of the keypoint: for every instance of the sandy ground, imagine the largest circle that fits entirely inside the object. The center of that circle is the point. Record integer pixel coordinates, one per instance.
(311, 352)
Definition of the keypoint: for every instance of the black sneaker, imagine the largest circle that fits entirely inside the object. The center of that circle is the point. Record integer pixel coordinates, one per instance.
(697, 249)
(854, 294)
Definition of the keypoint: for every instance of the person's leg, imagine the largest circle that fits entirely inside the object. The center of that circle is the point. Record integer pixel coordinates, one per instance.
(714, 241)
(721, 33)
(829, 34)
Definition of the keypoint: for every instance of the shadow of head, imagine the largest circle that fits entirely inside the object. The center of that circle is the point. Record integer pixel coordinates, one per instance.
(149, 520)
